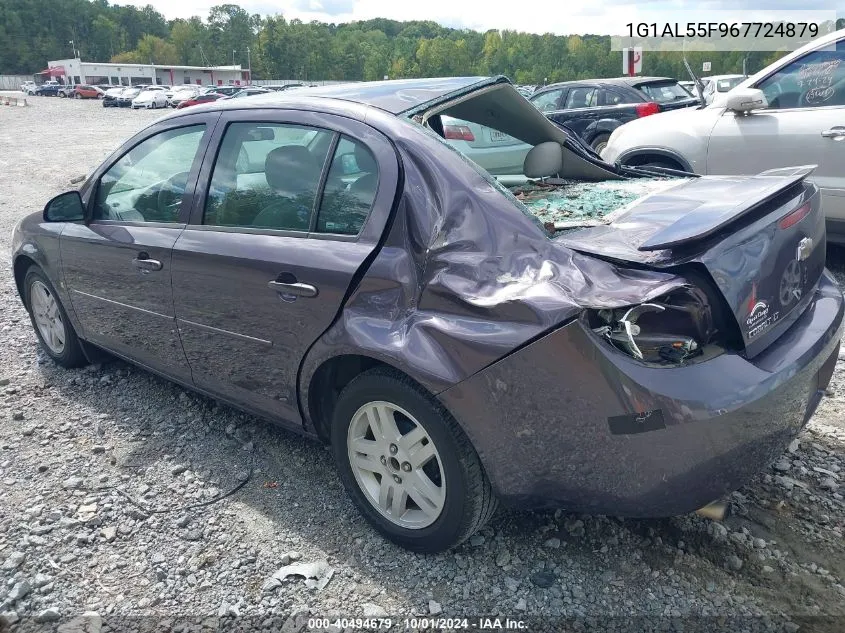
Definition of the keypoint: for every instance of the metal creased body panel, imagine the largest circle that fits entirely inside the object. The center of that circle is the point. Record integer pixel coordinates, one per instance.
(463, 276)
(539, 418)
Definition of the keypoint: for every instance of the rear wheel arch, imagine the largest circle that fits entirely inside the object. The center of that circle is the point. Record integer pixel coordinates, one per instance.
(326, 383)
(654, 157)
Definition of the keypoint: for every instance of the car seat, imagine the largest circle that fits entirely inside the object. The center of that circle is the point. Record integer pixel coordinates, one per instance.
(293, 175)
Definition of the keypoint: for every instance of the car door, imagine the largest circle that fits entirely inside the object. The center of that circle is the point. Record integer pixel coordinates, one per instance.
(578, 109)
(294, 205)
(803, 125)
(116, 265)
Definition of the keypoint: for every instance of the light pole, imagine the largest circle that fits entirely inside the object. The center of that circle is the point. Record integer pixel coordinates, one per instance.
(233, 57)
(249, 66)
(72, 47)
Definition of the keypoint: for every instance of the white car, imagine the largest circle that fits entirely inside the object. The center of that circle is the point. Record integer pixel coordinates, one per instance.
(28, 87)
(152, 97)
(790, 113)
(718, 84)
(177, 94)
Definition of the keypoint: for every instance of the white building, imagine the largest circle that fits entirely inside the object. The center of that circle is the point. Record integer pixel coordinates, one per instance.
(76, 71)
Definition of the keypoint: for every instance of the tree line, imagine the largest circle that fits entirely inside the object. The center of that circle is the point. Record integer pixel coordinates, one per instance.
(35, 31)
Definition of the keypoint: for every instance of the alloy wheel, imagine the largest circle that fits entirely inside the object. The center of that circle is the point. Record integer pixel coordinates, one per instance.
(396, 465)
(47, 317)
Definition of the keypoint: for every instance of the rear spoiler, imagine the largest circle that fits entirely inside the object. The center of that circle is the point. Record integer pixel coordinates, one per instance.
(711, 217)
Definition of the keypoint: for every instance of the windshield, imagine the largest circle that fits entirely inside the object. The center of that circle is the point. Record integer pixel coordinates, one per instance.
(723, 85)
(664, 92)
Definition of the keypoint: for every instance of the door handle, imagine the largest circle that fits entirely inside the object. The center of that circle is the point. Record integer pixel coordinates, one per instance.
(145, 264)
(295, 288)
(837, 132)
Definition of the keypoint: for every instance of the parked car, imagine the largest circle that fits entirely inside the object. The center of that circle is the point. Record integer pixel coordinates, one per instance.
(49, 89)
(719, 84)
(183, 95)
(495, 151)
(336, 267)
(84, 91)
(208, 97)
(28, 87)
(111, 96)
(689, 86)
(594, 108)
(176, 91)
(127, 95)
(225, 90)
(151, 97)
(249, 92)
(790, 113)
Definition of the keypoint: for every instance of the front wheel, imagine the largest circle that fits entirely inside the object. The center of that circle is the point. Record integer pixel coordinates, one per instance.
(52, 326)
(77, 96)
(62, 95)
(407, 465)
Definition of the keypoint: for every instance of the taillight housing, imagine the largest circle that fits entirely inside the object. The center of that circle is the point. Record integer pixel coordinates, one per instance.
(458, 132)
(667, 331)
(794, 217)
(645, 109)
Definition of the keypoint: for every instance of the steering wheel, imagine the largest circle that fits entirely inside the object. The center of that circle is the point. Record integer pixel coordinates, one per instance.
(169, 196)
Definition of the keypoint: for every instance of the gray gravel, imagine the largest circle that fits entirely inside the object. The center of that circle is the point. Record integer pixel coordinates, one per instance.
(99, 468)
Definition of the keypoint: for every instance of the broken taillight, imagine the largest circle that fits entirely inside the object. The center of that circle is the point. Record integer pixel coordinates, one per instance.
(458, 132)
(645, 109)
(669, 330)
(794, 217)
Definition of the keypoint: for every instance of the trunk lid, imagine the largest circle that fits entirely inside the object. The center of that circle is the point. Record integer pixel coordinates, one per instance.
(761, 239)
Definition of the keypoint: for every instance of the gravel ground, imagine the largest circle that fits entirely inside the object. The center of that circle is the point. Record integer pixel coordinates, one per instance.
(103, 470)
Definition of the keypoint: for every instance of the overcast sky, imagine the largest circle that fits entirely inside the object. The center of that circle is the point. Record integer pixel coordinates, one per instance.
(606, 17)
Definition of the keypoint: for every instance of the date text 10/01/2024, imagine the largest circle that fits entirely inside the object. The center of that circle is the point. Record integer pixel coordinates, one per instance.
(723, 29)
(422, 623)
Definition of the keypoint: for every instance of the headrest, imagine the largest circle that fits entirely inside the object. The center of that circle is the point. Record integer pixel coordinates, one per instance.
(364, 159)
(544, 160)
(292, 168)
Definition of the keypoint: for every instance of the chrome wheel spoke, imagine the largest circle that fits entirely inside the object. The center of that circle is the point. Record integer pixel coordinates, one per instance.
(383, 423)
(422, 455)
(425, 494)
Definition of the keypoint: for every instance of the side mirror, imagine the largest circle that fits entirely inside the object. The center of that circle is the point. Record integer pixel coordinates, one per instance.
(350, 165)
(65, 207)
(743, 100)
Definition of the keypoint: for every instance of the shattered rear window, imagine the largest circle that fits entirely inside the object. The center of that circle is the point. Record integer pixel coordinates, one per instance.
(571, 204)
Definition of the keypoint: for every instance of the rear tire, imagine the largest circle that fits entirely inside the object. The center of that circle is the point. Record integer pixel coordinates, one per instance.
(599, 143)
(386, 475)
(50, 321)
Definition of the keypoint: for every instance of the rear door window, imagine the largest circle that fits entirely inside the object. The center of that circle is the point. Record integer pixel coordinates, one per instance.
(350, 190)
(267, 175)
(585, 97)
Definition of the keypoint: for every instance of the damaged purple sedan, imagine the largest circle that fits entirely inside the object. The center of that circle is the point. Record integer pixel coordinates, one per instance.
(580, 335)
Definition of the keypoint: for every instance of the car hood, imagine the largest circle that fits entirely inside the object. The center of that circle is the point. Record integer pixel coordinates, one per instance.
(145, 96)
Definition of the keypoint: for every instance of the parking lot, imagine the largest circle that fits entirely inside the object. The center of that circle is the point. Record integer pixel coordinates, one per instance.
(127, 475)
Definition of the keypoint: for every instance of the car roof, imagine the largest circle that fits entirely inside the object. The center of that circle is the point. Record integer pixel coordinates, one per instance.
(609, 81)
(398, 97)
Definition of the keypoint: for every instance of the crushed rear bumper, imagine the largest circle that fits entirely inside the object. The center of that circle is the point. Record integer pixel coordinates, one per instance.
(570, 422)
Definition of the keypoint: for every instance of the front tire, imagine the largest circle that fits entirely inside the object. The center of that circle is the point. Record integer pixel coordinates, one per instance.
(77, 96)
(50, 321)
(407, 465)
